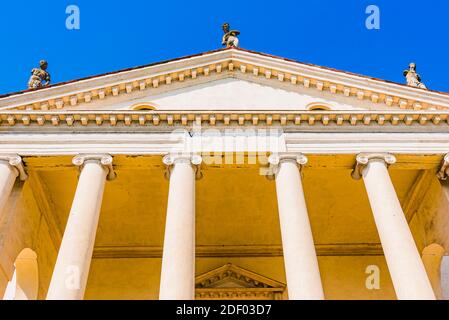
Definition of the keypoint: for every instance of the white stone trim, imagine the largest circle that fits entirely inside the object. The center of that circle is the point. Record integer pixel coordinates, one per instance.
(135, 144)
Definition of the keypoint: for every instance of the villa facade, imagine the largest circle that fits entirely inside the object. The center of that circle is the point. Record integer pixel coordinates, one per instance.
(230, 174)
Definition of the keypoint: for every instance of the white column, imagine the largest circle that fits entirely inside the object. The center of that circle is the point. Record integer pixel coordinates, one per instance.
(178, 261)
(404, 262)
(300, 259)
(11, 167)
(72, 266)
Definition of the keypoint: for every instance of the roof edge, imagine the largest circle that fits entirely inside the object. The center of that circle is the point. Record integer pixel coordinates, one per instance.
(211, 52)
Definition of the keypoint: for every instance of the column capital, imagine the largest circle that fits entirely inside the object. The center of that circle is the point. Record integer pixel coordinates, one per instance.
(275, 159)
(363, 159)
(16, 162)
(194, 160)
(103, 159)
(444, 170)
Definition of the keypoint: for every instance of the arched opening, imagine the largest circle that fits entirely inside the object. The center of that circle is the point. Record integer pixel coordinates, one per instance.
(143, 107)
(318, 107)
(25, 281)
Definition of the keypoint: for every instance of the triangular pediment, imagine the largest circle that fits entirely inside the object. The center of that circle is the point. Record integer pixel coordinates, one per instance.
(229, 79)
(231, 281)
(231, 275)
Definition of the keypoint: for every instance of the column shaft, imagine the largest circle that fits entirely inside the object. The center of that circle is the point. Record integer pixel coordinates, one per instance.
(404, 262)
(301, 263)
(178, 262)
(73, 263)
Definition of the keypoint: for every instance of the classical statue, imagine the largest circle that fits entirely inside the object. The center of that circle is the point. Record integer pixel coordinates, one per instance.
(413, 78)
(230, 37)
(39, 76)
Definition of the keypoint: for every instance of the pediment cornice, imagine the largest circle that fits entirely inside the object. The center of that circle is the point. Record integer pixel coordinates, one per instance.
(232, 61)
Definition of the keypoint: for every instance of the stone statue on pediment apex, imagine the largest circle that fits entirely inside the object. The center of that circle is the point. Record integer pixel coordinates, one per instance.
(230, 36)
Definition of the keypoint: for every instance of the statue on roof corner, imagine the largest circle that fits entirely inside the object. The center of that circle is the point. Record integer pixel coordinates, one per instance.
(413, 78)
(39, 76)
(230, 36)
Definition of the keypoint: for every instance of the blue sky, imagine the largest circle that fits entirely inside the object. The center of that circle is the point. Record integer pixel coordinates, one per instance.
(120, 34)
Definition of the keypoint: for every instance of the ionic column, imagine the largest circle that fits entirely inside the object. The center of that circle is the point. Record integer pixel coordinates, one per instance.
(11, 167)
(404, 262)
(301, 263)
(178, 261)
(71, 271)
